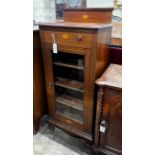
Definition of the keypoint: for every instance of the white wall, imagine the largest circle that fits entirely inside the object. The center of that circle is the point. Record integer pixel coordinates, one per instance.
(44, 10)
(104, 3)
(99, 3)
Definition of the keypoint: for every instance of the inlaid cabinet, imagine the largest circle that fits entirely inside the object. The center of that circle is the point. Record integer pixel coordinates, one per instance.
(74, 55)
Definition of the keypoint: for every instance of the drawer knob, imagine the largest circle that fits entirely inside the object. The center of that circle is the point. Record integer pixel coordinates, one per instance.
(79, 38)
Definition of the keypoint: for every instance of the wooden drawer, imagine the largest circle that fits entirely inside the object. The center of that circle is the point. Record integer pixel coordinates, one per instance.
(83, 40)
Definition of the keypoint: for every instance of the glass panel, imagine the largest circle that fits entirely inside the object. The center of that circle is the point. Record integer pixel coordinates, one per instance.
(68, 72)
(69, 103)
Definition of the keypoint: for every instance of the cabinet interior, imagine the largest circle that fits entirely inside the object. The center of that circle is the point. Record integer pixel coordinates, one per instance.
(68, 74)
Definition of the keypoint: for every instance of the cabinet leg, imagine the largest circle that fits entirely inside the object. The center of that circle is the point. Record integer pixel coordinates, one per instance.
(94, 150)
(36, 125)
(51, 127)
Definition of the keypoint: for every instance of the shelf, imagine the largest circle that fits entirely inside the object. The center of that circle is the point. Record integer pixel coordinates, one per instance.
(70, 101)
(69, 84)
(73, 114)
(68, 65)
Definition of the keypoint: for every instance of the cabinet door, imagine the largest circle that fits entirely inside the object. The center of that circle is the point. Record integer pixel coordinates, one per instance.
(68, 71)
(66, 85)
(112, 114)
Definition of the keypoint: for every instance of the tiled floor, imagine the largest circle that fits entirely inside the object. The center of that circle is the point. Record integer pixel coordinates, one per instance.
(54, 141)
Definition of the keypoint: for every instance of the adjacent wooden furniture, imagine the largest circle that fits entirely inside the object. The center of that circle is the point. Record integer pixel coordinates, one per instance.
(39, 96)
(115, 48)
(82, 55)
(115, 54)
(108, 128)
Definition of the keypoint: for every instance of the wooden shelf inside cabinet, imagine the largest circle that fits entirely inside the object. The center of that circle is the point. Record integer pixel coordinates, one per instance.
(70, 84)
(68, 65)
(70, 101)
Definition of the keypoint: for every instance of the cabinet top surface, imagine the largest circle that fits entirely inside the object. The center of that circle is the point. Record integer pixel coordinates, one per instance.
(111, 77)
(62, 24)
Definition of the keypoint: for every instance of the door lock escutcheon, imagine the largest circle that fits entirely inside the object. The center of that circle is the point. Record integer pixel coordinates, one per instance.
(49, 85)
(103, 126)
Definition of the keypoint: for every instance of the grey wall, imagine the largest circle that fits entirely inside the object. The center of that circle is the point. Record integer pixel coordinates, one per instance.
(99, 3)
(44, 10)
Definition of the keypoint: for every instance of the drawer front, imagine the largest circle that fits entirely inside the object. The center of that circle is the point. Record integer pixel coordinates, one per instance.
(83, 40)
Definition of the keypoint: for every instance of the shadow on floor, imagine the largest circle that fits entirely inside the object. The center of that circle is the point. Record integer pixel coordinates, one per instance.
(53, 141)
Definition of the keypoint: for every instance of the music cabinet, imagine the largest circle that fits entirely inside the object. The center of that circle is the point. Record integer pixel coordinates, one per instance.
(71, 69)
(108, 128)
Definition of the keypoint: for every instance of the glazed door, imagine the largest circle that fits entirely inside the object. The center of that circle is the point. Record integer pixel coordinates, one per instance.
(68, 86)
(68, 71)
(67, 79)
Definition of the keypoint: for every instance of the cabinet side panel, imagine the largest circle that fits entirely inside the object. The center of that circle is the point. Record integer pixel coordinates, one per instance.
(112, 113)
(48, 74)
(39, 97)
(102, 53)
(90, 86)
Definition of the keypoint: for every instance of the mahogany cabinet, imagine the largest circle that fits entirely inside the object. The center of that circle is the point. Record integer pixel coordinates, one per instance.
(70, 71)
(39, 95)
(108, 125)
